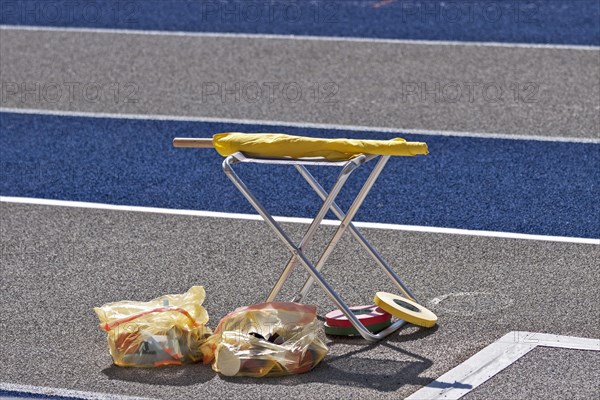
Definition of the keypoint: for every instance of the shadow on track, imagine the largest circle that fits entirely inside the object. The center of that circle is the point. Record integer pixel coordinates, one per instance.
(185, 375)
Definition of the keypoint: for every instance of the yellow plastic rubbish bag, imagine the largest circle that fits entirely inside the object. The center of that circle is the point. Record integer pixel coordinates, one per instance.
(267, 339)
(168, 330)
(274, 145)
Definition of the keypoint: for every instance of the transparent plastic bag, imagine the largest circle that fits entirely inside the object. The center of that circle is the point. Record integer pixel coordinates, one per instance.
(168, 330)
(267, 339)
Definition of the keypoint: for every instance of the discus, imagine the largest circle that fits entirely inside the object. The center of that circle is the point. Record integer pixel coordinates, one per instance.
(227, 362)
(403, 308)
(345, 331)
(368, 315)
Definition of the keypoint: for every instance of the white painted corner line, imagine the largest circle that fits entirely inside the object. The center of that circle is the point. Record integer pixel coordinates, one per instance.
(307, 125)
(19, 390)
(298, 37)
(297, 220)
(494, 358)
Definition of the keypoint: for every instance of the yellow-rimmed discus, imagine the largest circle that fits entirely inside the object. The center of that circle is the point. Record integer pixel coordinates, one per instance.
(403, 308)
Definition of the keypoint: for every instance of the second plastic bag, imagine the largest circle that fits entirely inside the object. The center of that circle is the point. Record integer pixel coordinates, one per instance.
(267, 339)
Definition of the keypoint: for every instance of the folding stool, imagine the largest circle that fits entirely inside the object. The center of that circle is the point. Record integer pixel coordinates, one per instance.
(298, 251)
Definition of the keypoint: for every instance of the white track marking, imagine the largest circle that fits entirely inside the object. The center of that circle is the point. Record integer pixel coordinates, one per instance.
(49, 391)
(298, 37)
(254, 217)
(494, 358)
(565, 342)
(354, 128)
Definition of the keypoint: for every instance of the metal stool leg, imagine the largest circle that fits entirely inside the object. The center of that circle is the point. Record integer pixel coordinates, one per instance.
(346, 221)
(328, 201)
(299, 254)
(357, 235)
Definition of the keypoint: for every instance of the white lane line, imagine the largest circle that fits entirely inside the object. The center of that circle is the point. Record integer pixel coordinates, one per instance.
(254, 217)
(49, 391)
(565, 342)
(308, 125)
(494, 358)
(298, 37)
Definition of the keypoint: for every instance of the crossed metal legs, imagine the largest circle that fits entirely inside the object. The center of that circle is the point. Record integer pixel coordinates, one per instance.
(298, 252)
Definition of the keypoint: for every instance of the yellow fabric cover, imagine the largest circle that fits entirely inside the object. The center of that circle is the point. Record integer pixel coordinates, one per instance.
(274, 145)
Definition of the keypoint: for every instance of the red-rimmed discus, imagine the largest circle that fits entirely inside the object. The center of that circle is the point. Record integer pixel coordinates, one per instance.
(368, 315)
(343, 331)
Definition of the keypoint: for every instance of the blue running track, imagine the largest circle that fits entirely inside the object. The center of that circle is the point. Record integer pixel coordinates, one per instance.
(511, 21)
(9, 394)
(549, 188)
